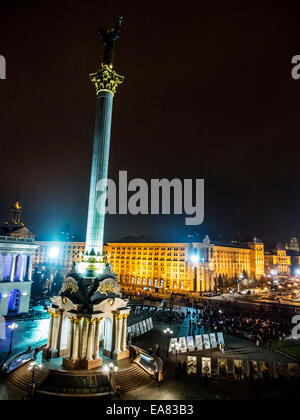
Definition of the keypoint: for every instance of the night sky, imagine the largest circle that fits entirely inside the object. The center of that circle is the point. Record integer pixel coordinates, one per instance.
(208, 94)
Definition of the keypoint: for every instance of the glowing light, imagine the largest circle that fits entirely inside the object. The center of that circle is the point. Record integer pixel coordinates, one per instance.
(53, 252)
(195, 258)
(273, 272)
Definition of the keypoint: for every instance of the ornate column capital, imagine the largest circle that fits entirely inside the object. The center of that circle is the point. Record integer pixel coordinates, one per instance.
(106, 79)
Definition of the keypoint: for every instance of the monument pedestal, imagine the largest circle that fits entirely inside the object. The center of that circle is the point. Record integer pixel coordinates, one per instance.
(121, 355)
(70, 364)
(50, 354)
(91, 364)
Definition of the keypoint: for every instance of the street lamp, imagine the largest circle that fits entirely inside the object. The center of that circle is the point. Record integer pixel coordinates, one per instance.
(33, 366)
(12, 327)
(195, 260)
(168, 333)
(111, 368)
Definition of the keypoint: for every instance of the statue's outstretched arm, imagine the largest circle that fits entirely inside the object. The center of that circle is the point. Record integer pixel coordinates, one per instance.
(116, 31)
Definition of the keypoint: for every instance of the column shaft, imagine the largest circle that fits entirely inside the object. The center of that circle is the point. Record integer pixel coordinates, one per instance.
(54, 333)
(71, 333)
(83, 343)
(60, 323)
(124, 333)
(95, 224)
(50, 332)
(22, 269)
(2, 266)
(97, 338)
(90, 344)
(117, 334)
(75, 345)
(13, 268)
(30, 267)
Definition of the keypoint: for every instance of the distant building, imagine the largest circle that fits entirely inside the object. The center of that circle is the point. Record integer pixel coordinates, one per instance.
(17, 250)
(166, 267)
(293, 245)
(58, 254)
(277, 261)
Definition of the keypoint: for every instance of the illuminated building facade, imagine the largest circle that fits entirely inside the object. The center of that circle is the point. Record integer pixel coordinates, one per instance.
(16, 259)
(60, 254)
(278, 262)
(166, 267)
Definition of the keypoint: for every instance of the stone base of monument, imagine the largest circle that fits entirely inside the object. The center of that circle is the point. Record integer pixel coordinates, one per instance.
(48, 354)
(71, 380)
(91, 364)
(69, 364)
(121, 355)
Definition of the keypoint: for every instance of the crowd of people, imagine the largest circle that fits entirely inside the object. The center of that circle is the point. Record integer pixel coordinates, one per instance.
(259, 327)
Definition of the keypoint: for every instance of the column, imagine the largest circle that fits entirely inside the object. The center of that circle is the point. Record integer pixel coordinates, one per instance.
(90, 343)
(97, 338)
(118, 318)
(71, 334)
(95, 224)
(75, 344)
(124, 332)
(13, 268)
(30, 267)
(106, 81)
(60, 323)
(83, 343)
(50, 331)
(54, 332)
(2, 265)
(22, 269)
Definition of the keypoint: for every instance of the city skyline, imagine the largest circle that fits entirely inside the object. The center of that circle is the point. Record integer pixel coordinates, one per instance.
(228, 133)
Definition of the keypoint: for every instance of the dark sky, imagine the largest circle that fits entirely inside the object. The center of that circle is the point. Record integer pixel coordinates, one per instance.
(208, 94)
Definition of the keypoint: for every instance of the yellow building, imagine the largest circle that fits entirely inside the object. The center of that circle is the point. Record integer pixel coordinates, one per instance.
(278, 263)
(166, 267)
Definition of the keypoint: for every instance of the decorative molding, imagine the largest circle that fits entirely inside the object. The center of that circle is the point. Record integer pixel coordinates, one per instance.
(106, 79)
(69, 284)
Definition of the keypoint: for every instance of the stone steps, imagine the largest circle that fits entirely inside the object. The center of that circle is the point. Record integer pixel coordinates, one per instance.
(22, 377)
(134, 377)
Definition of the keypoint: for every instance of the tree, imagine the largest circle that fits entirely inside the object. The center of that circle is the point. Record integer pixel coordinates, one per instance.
(56, 284)
(38, 285)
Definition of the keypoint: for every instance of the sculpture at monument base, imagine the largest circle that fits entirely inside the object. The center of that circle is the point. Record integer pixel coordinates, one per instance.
(87, 315)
